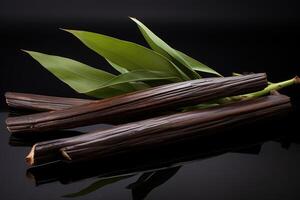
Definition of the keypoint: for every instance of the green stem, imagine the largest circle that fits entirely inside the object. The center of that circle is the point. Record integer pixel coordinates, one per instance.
(271, 87)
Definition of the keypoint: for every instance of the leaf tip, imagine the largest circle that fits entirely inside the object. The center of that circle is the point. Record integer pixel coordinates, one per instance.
(63, 29)
(219, 74)
(134, 19)
(24, 50)
(27, 51)
(69, 31)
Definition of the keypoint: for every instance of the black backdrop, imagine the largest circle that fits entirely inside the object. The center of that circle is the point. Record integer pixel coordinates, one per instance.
(240, 36)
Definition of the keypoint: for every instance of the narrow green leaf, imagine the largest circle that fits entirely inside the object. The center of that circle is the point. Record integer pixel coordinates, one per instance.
(198, 66)
(106, 92)
(120, 69)
(163, 48)
(140, 75)
(97, 185)
(133, 76)
(158, 45)
(79, 76)
(129, 55)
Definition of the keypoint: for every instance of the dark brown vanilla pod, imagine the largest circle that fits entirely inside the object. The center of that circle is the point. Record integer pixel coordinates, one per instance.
(151, 100)
(157, 130)
(172, 155)
(29, 140)
(41, 102)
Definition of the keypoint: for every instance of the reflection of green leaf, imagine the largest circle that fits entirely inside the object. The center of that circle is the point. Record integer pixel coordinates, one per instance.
(150, 180)
(97, 185)
(126, 54)
(198, 66)
(163, 48)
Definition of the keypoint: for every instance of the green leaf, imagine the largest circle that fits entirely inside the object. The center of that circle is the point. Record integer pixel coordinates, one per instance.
(106, 92)
(95, 82)
(120, 69)
(198, 66)
(188, 64)
(163, 48)
(77, 75)
(129, 55)
(133, 76)
(97, 185)
(140, 75)
(81, 77)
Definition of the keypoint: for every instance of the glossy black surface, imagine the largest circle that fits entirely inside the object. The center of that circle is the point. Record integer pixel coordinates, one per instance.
(249, 162)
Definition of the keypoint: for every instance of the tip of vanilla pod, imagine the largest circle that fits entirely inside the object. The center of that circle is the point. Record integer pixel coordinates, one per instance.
(65, 155)
(29, 159)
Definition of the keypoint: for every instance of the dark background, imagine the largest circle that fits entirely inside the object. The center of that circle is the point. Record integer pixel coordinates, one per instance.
(239, 36)
(230, 36)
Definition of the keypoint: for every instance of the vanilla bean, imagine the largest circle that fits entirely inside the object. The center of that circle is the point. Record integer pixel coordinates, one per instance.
(139, 103)
(172, 155)
(30, 140)
(41, 102)
(156, 131)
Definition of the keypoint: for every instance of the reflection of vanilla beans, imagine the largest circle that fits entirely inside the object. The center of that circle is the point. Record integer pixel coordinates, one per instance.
(41, 102)
(156, 131)
(150, 101)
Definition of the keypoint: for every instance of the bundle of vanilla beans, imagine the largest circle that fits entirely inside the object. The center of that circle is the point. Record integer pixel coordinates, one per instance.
(154, 116)
(158, 97)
